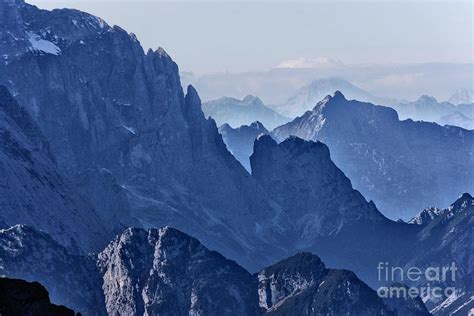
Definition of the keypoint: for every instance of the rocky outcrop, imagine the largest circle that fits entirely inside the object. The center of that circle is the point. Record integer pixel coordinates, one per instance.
(165, 272)
(18, 297)
(390, 161)
(33, 191)
(239, 141)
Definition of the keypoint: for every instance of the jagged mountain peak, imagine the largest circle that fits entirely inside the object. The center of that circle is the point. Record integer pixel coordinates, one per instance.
(426, 216)
(335, 97)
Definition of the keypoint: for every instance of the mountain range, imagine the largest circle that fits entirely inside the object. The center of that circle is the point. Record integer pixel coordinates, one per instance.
(165, 272)
(401, 165)
(98, 135)
(427, 108)
(242, 112)
(308, 95)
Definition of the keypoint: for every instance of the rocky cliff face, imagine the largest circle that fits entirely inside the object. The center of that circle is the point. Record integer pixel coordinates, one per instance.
(18, 297)
(107, 108)
(401, 165)
(239, 141)
(165, 272)
(34, 191)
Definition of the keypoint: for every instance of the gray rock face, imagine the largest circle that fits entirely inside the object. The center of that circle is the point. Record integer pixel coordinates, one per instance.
(242, 112)
(32, 189)
(239, 141)
(390, 161)
(71, 280)
(103, 103)
(301, 285)
(165, 272)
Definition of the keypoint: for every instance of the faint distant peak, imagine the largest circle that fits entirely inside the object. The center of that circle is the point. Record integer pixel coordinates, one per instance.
(427, 99)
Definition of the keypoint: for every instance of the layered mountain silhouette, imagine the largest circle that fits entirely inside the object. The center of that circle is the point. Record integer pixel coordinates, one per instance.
(239, 141)
(242, 112)
(401, 165)
(427, 108)
(308, 95)
(101, 137)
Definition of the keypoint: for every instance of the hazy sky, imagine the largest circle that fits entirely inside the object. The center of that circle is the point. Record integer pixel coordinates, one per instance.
(243, 36)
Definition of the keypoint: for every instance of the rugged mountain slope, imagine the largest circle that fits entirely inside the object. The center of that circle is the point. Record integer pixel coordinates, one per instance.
(320, 210)
(427, 108)
(108, 108)
(32, 189)
(447, 237)
(71, 280)
(18, 297)
(239, 141)
(242, 112)
(301, 285)
(401, 165)
(307, 96)
(165, 272)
